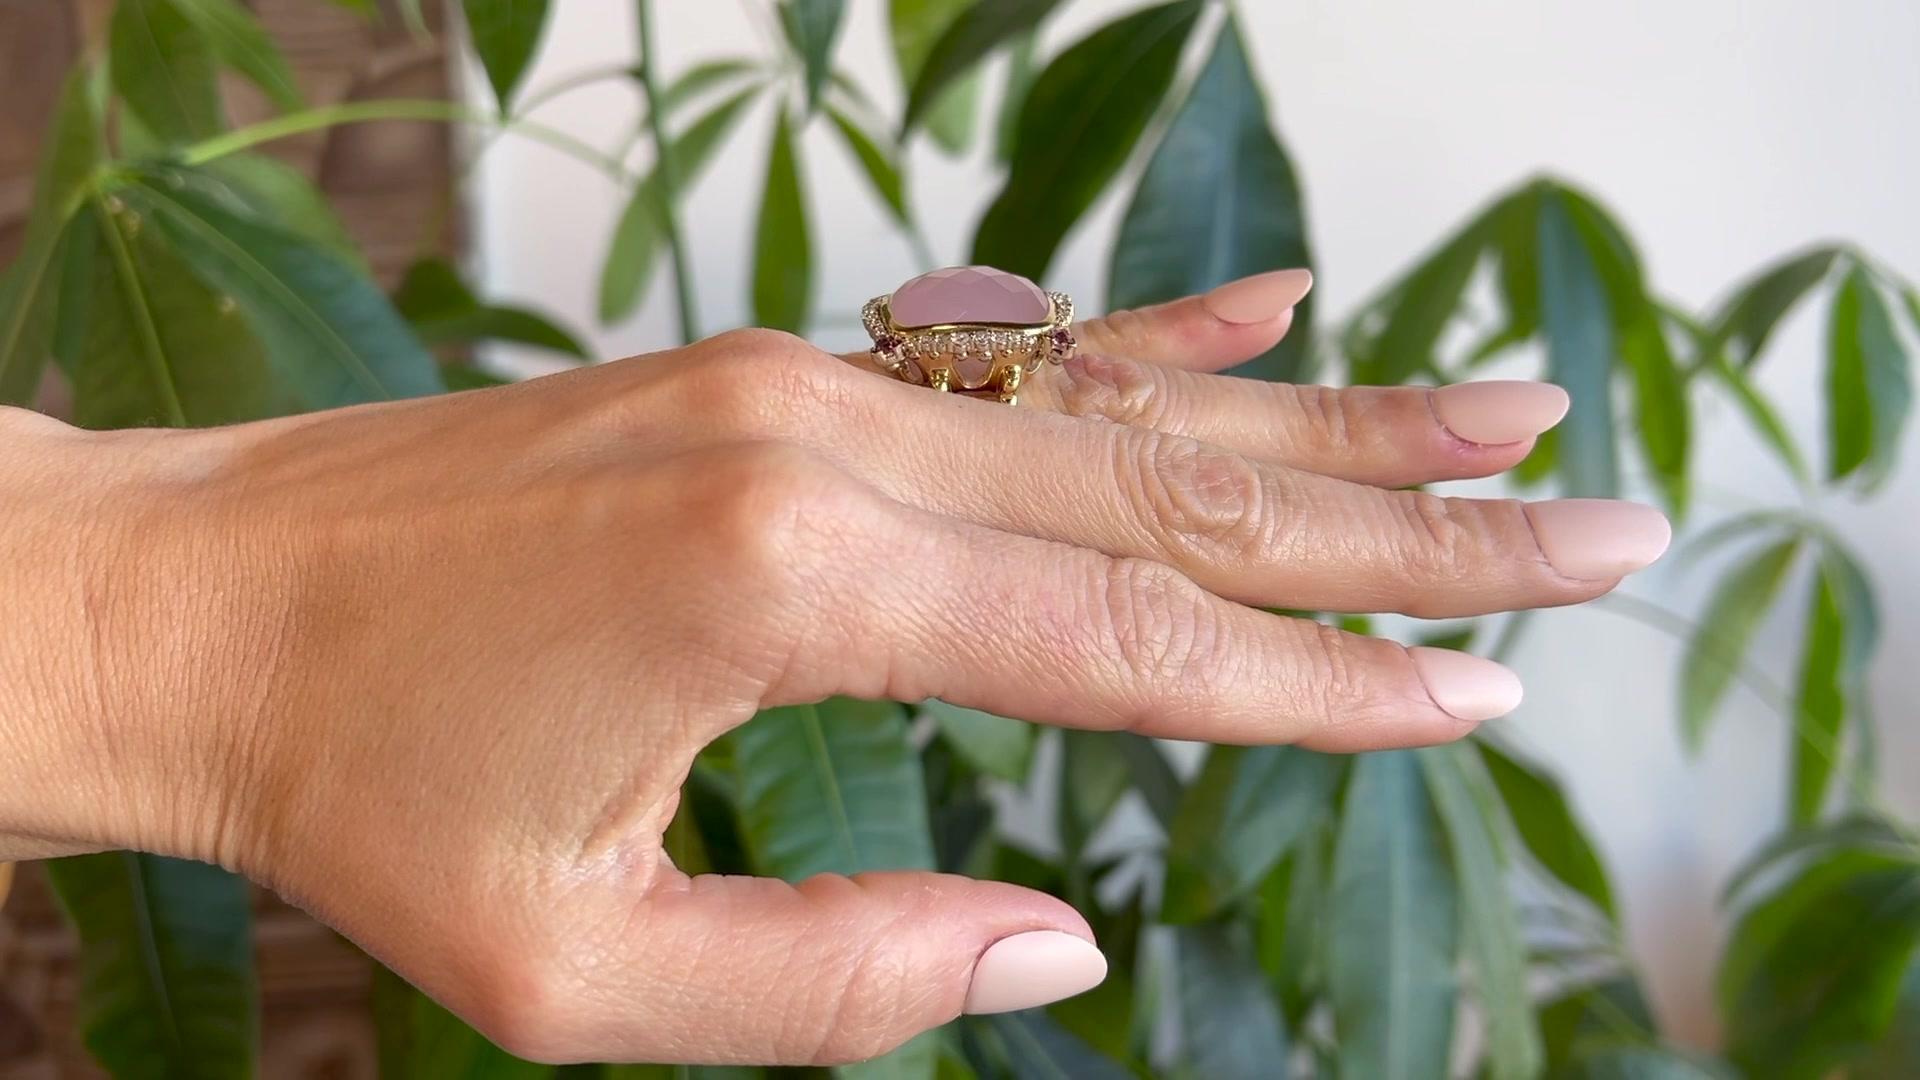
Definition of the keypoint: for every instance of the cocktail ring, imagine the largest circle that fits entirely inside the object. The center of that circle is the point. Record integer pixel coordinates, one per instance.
(969, 329)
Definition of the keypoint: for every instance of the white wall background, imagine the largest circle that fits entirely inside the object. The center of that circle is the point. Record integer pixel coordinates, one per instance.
(1723, 132)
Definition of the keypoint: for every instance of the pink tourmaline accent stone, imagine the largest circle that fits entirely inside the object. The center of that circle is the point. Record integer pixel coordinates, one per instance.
(968, 294)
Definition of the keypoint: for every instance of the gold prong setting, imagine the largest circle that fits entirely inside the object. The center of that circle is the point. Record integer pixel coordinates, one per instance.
(930, 354)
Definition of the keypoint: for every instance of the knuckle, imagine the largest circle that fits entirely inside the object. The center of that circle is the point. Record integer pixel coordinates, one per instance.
(1126, 331)
(1123, 391)
(871, 1001)
(1322, 418)
(1198, 499)
(1436, 541)
(1155, 621)
(762, 381)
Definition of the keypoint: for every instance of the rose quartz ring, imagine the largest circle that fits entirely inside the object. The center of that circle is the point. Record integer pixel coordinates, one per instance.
(969, 329)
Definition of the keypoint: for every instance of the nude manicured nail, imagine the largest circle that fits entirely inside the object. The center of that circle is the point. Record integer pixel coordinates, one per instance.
(1599, 539)
(1035, 968)
(1465, 686)
(1499, 411)
(1258, 298)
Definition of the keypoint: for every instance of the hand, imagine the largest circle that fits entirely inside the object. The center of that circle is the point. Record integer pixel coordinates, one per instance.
(437, 669)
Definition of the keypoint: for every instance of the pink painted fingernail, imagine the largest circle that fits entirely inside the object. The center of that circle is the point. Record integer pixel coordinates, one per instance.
(1039, 967)
(1500, 410)
(1258, 298)
(1466, 686)
(1599, 539)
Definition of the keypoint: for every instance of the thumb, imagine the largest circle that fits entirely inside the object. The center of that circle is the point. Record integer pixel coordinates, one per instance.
(718, 969)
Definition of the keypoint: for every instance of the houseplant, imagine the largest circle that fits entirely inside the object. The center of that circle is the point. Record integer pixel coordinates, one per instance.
(1358, 915)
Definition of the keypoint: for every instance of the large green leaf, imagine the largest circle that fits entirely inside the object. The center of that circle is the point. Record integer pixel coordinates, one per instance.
(1490, 926)
(240, 42)
(1391, 926)
(1292, 919)
(1860, 831)
(917, 26)
(1078, 127)
(1230, 1025)
(29, 288)
(1396, 336)
(419, 1040)
(281, 194)
(831, 788)
(995, 745)
(1718, 646)
(783, 249)
(442, 310)
(1590, 1020)
(1246, 809)
(1749, 316)
(881, 165)
(1031, 1046)
(1580, 350)
(1896, 1056)
(1546, 826)
(1869, 386)
(812, 26)
(1023, 66)
(166, 965)
(1819, 711)
(1174, 244)
(917, 1059)
(1813, 972)
(1093, 775)
(505, 35)
(332, 335)
(964, 39)
(160, 349)
(639, 235)
(165, 70)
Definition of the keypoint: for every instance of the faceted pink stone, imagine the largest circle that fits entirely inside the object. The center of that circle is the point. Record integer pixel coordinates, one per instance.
(968, 294)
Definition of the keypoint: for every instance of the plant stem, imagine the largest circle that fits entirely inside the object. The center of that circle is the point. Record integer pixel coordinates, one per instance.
(669, 178)
(361, 112)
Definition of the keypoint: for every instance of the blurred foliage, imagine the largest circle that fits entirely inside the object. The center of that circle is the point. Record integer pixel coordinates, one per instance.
(1400, 915)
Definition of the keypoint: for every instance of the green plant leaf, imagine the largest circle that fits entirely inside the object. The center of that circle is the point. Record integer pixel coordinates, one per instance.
(1032, 1046)
(996, 745)
(831, 788)
(1860, 831)
(963, 41)
(1869, 386)
(1023, 66)
(1718, 646)
(1761, 416)
(1292, 921)
(444, 311)
(240, 42)
(918, 1059)
(1896, 1056)
(1230, 1024)
(1642, 1063)
(1547, 828)
(1396, 336)
(419, 1040)
(1240, 817)
(1490, 927)
(1093, 775)
(916, 27)
(812, 26)
(1174, 242)
(1750, 315)
(29, 288)
(1819, 704)
(1813, 972)
(164, 69)
(1588, 1021)
(1391, 926)
(280, 194)
(1153, 777)
(506, 34)
(1580, 350)
(881, 166)
(1078, 127)
(783, 249)
(166, 965)
(332, 336)
(159, 348)
(638, 239)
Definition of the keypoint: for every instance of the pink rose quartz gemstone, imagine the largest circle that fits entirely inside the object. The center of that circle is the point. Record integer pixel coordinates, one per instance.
(968, 294)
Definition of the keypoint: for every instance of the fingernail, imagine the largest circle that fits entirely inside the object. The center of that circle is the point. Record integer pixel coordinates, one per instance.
(1599, 539)
(1039, 967)
(1499, 411)
(1258, 298)
(1466, 686)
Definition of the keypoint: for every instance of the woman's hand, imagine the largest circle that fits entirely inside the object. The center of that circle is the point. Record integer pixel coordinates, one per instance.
(437, 669)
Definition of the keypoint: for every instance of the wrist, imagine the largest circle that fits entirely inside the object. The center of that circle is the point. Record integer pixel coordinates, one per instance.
(108, 736)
